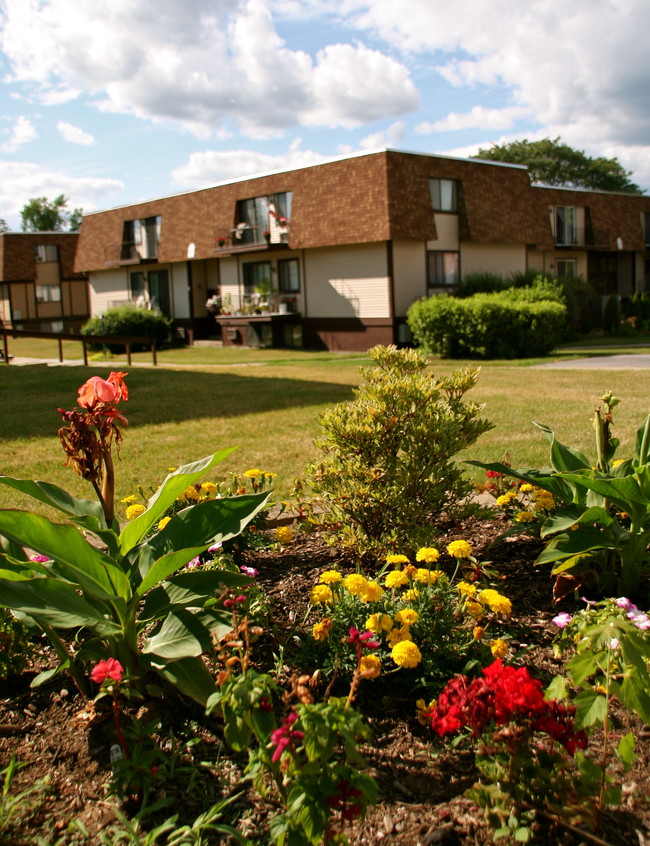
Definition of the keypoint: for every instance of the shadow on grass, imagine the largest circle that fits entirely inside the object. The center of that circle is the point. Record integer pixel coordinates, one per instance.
(30, 396)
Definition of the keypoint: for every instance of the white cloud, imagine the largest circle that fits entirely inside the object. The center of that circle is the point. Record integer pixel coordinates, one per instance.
(22, 132)
(212, 166)
(74, 135)
(206, 64)
(20, 181)
(478, 118)
(390, 137)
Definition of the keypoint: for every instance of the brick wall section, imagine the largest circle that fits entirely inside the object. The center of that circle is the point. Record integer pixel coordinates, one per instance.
(365, 199)
(17, 259)
(618, 215)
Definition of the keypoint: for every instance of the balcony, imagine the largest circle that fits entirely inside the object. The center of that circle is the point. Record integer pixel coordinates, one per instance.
(575, 237)
(116, 255)
(244, 238)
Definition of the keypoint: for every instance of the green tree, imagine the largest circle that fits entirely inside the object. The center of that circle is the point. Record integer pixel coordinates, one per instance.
(550, 162)
(42, 215)
(4, 226)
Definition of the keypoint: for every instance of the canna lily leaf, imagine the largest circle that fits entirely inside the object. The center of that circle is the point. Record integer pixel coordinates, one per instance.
(185, 634)
(188, 589)
(189, 675)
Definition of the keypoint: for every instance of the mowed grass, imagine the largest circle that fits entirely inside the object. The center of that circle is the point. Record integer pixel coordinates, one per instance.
(267, 404)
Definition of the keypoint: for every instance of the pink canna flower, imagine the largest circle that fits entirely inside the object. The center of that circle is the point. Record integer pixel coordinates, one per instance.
(107, 669)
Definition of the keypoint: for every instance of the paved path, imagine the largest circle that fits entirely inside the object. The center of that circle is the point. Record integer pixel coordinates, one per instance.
(638, 361)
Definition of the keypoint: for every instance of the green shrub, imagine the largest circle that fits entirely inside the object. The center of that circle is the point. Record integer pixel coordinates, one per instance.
(387, 471)
(127, 320)
(512, 324)
(481, 282)
(612, 314)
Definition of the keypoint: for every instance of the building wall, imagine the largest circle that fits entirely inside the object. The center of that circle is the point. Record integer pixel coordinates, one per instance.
(180, 292)
(347, 282)
(493, 258)
(447, 236)
(106, 288)
(409, 274)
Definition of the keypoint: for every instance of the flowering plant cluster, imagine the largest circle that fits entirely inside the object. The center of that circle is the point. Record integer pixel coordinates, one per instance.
(525, 504)
(417, 616)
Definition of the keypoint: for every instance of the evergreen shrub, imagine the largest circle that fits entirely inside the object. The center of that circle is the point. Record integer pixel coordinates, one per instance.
(128, 320)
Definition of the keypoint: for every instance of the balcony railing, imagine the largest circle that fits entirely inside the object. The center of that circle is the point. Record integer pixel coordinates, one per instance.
(577, 237)
(129, 253)
(243, 238)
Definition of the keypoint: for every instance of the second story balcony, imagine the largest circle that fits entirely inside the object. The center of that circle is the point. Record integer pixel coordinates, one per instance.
(578, 237)
(244, 238)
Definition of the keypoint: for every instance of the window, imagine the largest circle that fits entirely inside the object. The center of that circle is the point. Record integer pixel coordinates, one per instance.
(257, 277)
(565, 268)
(261, 215)
(48, 293)
(565, 226)
(140, 238)
(443, 269)
(46, 253)
(151, 290)
(288, 276)
(443, 195)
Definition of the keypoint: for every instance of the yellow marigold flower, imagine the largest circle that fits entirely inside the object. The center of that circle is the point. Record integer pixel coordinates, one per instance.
(526, 488)
(396, 579)
(505, 499)
(356, 584)
(373, 592)
(428, 554)
(163, 522)
(466, 588)
(320, 594)
(546, 503)
(478, 632)
(617, 462)
(134, 511)
(321, 630)
(525, 517)
(396, 559)
(422, 709)
(499, 648)
(129, 498)
(190, 493)
(475, 609)
(172, 469)
(411, 594)
(253, 474)
(460, 549)
(284, 534)
(208, 487)
(398, 636)
(406, 654)
(497, 602)
(407, 616)
(330, 577)
(409, 571)
(370, 667)
(379, 623)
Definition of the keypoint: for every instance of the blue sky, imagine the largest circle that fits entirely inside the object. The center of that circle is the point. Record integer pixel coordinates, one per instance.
(114, 103)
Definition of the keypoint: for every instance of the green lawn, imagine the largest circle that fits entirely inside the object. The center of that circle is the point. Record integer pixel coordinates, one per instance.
(269, 410)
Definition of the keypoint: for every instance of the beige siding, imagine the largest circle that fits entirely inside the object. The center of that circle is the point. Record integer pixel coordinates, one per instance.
(106, 288)
(494, 258)
(229, 280)
(47, 273)
(409, 274)
(180, 294)
(347, 282)
(447, 230)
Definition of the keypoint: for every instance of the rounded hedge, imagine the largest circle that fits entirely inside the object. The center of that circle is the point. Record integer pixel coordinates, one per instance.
(128, 320)
(488, 325)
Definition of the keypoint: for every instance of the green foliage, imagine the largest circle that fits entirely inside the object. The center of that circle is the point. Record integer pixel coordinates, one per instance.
(387, 471)
(134, 597)
(481, 282)
(15, 647)
(15, 806)
(517, 323)
(600, 532)
(42, 215)
(550, 162)
(612, 315)
(127, 320)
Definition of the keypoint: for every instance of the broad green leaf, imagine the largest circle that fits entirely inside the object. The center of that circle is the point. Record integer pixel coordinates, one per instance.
(642, 442)
(166, 566)
(94, 572)
(190, 676)
(624, 492)
(635, 697)
(186, 634)
(581, 666)
(556, 689)
(591, 708)
(46, 675)
(585, 539)
(56, 603)
(561, 519)
(171, 488)
(190, 589)
(563, 457)
(625, 749)
(60, 499)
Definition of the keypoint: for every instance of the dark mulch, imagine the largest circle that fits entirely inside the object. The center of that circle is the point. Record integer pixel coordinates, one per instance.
(421, 780)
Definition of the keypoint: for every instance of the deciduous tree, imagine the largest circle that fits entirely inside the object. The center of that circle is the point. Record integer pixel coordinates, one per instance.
(42, 215)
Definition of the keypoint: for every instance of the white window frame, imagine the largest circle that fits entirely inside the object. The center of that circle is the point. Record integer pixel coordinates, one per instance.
(444, 194)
